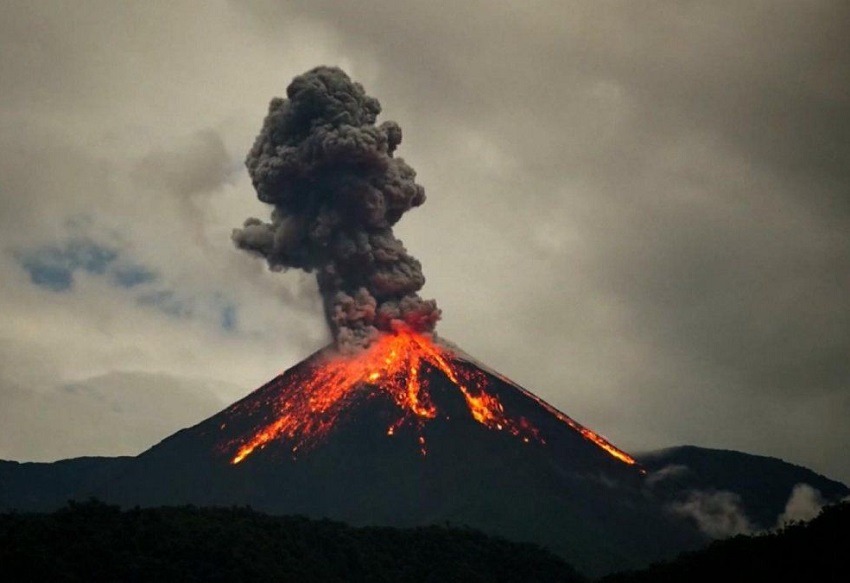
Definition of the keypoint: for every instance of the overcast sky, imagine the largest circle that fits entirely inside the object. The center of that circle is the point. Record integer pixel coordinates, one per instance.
(637, 210)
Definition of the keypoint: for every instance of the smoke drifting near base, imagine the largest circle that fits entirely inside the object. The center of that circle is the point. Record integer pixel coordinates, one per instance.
(337, 190)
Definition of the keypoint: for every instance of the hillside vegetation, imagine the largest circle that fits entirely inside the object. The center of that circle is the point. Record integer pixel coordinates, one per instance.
(812, 551)
(93, 541)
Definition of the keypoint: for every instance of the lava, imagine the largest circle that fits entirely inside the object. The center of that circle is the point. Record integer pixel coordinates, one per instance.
(391, 366)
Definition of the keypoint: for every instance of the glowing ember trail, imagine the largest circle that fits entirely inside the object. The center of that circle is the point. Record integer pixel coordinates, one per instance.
(391, 366)
(585, 432)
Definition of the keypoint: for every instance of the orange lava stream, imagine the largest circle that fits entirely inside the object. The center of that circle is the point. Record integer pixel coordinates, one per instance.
(392, 365)
(585, 432)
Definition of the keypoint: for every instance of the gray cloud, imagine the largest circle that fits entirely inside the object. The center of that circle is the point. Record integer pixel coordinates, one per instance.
(111, 414)
(200, 165)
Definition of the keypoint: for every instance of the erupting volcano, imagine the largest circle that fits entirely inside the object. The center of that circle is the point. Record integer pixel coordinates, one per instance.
(307, 405)
(389, 424)
(337, 190)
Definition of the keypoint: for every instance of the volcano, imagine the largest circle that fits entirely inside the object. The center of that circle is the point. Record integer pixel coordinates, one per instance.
(412, 431)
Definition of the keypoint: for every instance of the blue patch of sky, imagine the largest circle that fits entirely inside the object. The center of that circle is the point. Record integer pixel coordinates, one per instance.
(131, 275)
(167, 302)
(56, 278)
(212, 307)
(228, 317)
(53, 266)
(227, 311)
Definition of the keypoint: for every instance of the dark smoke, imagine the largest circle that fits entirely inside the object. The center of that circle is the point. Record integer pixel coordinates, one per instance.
(337, 191)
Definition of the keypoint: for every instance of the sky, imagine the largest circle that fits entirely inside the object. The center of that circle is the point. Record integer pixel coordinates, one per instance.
(638, 211)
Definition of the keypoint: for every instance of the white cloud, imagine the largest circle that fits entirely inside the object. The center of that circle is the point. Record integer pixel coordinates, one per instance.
(666, 473)
(719, 514)
(804, 504)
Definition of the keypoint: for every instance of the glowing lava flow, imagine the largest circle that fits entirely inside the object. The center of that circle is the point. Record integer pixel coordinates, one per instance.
(603, 443)
(392, 366)
(585, 432)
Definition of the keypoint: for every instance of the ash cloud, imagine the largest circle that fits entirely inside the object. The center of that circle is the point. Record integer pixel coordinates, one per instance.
(337, 190)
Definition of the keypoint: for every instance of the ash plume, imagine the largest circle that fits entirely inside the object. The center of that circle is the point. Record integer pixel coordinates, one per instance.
(337, 191)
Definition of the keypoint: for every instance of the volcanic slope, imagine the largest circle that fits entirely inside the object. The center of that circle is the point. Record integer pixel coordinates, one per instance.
(412, 432)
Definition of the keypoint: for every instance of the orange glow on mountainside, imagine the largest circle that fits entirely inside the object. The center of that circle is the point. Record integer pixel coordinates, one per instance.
(391, 366)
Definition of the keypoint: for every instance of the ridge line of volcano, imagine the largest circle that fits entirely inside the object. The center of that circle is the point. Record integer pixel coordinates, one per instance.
(303, 404)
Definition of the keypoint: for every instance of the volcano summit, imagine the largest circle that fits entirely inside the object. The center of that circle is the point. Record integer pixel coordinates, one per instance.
(398, 367)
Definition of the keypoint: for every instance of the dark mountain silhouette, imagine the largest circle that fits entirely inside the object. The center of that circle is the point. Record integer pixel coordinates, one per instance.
(764, 484)
(41, 487)
(810, 551)
(482, 452)
(92, 541)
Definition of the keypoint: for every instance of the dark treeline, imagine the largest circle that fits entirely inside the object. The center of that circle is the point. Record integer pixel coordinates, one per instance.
(812, 551)
(93, 541)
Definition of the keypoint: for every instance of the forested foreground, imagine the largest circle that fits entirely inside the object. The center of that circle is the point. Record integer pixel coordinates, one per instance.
(814, 551)
(93, 541)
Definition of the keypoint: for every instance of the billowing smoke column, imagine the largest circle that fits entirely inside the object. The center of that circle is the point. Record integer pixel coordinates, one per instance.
(337, 190)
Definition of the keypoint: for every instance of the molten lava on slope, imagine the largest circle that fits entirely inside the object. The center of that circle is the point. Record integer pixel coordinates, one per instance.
(307, 404)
